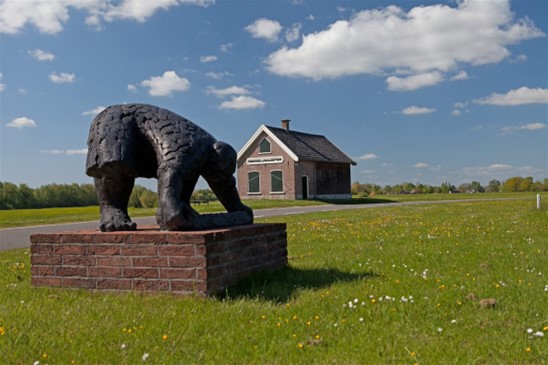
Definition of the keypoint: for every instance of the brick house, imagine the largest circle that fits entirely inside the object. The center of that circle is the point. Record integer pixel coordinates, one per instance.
(278, 163)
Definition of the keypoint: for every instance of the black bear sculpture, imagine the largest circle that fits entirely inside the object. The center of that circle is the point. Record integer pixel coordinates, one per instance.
(139, 140)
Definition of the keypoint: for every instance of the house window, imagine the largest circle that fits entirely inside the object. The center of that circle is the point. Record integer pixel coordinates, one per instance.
(253, 182)
(276, 182)
(264, 146)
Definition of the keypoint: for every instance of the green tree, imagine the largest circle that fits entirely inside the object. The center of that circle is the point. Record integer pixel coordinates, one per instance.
(512, 184)
(476, 186)
(148, 199)
(526, 184)
(493, 186)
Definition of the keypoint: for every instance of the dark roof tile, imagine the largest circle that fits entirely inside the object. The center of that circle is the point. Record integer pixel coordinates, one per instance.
(311, 147)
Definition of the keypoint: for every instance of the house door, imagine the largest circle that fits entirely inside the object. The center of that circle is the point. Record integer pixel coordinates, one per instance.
(304, 181)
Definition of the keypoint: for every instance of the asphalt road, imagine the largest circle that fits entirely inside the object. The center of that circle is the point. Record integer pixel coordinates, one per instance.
(11, 238)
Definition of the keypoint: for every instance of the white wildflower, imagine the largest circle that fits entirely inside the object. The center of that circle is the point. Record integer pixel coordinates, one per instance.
(145, 356)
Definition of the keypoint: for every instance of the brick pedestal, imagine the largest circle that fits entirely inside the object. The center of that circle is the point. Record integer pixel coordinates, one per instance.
(148, 259)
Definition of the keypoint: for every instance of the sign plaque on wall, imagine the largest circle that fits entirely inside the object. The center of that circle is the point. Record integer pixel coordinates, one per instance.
(264, 160)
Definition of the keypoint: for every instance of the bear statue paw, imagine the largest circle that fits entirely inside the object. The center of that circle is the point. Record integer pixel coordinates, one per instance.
(116, 220)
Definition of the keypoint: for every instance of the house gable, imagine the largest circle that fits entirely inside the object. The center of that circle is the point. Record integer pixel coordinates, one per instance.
(273, 139)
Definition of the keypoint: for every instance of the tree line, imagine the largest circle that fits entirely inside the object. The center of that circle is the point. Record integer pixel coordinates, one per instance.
(513, 184)
(21, 196)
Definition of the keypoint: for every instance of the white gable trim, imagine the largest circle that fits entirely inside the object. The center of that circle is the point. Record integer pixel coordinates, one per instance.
(273, 138)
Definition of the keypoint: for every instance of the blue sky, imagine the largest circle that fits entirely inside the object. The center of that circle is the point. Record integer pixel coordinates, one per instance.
(420, 91)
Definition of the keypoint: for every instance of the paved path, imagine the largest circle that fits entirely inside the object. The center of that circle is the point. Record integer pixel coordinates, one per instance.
(11, 238)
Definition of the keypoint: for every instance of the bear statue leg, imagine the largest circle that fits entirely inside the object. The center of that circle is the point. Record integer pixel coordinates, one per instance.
(226, 192)
(174, 211)
(114, 192)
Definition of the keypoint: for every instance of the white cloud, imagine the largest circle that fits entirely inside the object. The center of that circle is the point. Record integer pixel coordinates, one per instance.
(166, 84)
(81, 151)
(49, 16)
(294, 33)
(2, 85)
(460, 76)
(226, 47)
(132, 88)
(21, 122)
(243, 102)
(415, 110)
(456, 112)
(62, 78)
(218, 75)
(424, 39)
(205, 59)
(93, 112)
(265, 29)
(232, 90)
(488, 170)
(521, 96)
(523, 127)
(520, 58)
(41, 55)
(414, 82)
(421, 165)
(368, 156)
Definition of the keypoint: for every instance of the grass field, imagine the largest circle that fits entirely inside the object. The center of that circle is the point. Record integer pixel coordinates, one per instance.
(391, 285)
(34, 217)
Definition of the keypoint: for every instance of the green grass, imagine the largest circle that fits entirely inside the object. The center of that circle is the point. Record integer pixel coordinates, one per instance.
(35, 217)
(413, 275)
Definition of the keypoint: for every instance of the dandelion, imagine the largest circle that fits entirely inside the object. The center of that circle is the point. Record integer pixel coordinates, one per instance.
(164, 337)
(300, 345)
(2, 331)
(44, 355)
(145, 356)
(528, 349)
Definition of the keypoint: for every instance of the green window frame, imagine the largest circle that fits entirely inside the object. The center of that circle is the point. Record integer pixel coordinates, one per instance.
(265, 146)
(276, 182)
(253, 182)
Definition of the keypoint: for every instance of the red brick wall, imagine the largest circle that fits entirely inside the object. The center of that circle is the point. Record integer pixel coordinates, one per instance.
(204, 262)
